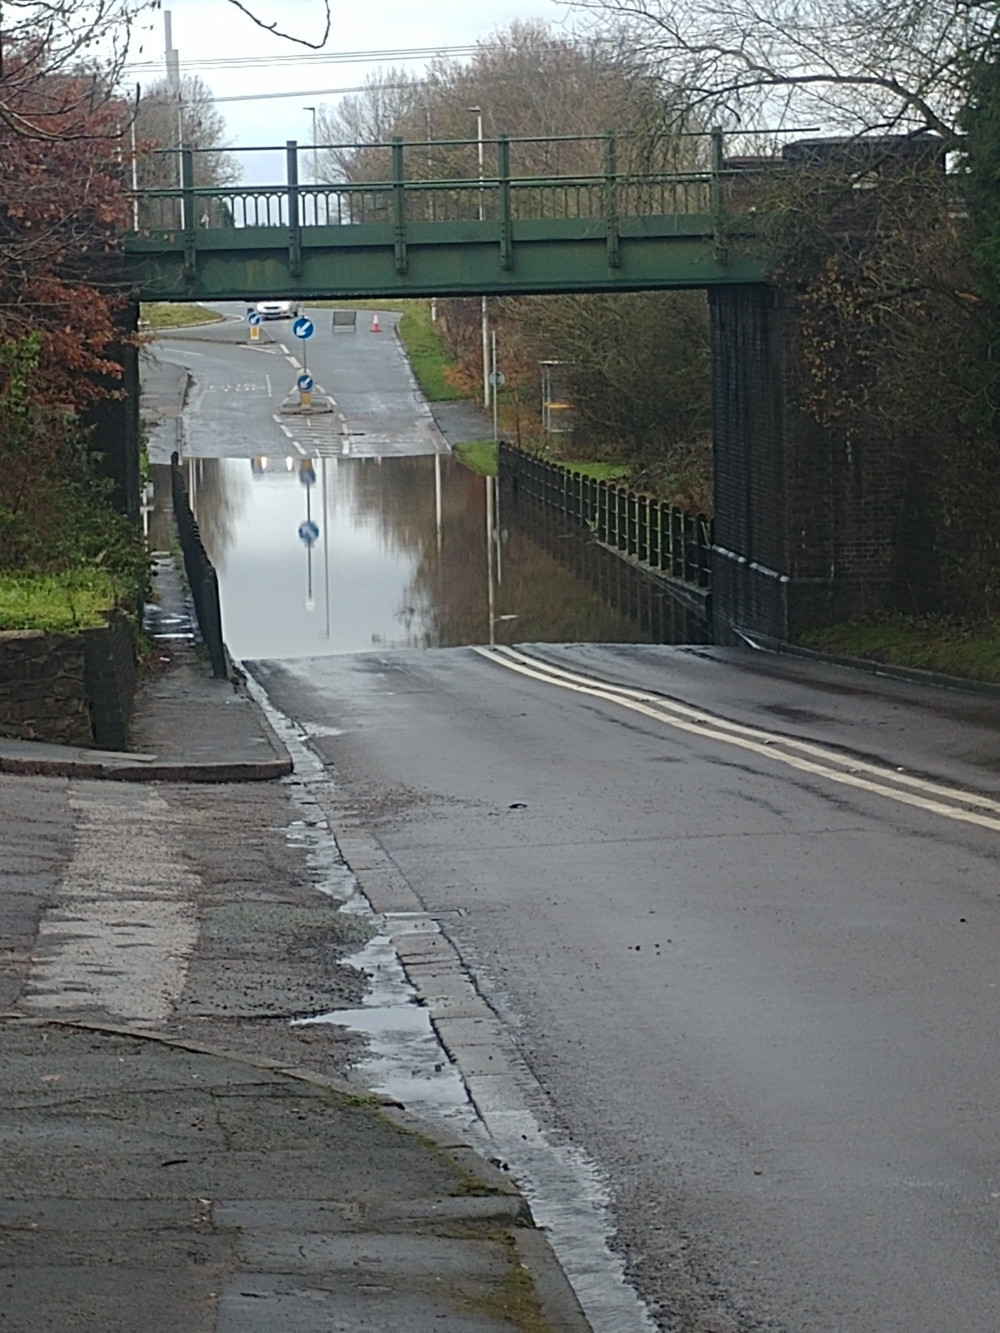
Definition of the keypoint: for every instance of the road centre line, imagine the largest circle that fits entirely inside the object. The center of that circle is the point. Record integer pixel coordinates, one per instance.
(853, 764)
(757, 741)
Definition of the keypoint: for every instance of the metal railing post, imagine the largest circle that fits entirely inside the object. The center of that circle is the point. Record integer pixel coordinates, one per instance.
(718, 195)
(611, 200)
(189, 221)
(503, 177)
(294, 223)
(399, 206)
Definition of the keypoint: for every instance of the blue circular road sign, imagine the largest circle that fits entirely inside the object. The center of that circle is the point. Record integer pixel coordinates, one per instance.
(305, 383)
(308, 531)
(303, 328)
(253, 318)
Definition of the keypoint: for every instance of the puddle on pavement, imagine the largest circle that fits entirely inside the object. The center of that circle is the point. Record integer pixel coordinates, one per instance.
(341, 555)
(404, 1059)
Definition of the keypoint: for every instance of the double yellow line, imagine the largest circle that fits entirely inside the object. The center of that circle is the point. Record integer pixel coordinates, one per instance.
(816, 760)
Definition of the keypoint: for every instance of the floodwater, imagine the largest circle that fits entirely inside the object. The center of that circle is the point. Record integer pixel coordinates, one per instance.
(343, 555)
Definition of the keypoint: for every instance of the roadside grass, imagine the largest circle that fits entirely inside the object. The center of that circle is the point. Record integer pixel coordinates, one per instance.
(428, 356)
(926, 643)
(56, 603)
(175, 315)
(481, 456)
(597, 471)
(478, 456)
(363, 303)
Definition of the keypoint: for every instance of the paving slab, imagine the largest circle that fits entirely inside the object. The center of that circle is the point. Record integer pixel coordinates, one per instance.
(143, 1183)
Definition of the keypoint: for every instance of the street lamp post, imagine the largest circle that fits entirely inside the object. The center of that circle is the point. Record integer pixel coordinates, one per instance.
(478, 113)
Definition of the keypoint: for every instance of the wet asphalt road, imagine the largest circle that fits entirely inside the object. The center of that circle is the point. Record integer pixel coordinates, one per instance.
(239, 388)
(758, 984)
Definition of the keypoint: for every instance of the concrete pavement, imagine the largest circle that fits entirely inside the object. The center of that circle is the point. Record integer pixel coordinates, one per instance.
(196, 1165)
(150, 1183)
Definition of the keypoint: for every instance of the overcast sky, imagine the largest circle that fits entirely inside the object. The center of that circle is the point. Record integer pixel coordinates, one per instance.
(205, 30)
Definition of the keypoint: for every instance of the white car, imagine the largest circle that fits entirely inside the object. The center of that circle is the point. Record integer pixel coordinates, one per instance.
(277, 309)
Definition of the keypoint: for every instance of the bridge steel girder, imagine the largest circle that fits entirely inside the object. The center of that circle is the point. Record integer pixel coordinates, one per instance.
(545, 256)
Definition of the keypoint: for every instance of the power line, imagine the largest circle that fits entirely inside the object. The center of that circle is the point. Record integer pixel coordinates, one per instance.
(314, 92)
(321, 57)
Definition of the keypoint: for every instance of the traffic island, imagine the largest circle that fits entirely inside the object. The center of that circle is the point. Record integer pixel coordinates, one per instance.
(297, 404)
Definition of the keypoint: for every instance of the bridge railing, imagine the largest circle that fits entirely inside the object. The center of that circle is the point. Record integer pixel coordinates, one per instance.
(516, 179)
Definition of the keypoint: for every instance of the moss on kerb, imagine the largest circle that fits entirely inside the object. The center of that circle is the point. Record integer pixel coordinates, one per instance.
(516, 1302)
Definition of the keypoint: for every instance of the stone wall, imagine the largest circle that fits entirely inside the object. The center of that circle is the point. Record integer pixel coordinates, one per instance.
(68, 689)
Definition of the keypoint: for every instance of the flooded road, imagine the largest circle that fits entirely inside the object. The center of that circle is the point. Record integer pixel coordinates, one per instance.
(393, 553)
(357, 528)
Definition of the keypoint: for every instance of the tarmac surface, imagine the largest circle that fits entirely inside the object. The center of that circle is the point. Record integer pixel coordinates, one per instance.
(154, 1174)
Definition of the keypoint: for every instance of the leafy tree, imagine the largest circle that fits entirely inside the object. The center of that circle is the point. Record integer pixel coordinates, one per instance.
(53, 508)
(62, 208)
(636, 369)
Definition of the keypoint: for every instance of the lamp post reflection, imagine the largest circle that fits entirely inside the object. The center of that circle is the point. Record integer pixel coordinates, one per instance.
(494, 559)
(490, 582)
(308, 530)
(326, 547)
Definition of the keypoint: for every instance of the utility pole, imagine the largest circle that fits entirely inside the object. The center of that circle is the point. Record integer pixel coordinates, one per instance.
(171, 59)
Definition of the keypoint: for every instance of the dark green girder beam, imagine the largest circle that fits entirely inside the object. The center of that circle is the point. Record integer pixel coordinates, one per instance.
(439, 259)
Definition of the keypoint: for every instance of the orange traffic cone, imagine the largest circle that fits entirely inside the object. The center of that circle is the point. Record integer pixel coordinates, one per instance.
(376, 326)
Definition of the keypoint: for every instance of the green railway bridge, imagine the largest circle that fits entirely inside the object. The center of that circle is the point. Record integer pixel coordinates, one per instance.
(803, 536)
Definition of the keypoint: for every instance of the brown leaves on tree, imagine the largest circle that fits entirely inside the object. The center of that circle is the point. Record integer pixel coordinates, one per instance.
(63, 143)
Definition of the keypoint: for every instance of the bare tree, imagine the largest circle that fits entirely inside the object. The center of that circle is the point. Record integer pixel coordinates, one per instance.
(391, 99)
(58, 40)
(166, 118)
(856, 65)
(557, 97)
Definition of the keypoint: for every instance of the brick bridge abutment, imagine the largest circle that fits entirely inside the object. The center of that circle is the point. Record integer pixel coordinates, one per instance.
(807, 523)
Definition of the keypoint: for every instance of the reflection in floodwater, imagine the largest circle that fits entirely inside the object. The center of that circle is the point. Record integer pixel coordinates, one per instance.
(335, 555)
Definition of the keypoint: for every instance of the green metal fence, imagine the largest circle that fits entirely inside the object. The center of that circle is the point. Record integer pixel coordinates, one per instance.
(657, 535)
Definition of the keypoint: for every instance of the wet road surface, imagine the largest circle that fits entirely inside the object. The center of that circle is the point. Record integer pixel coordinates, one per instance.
(757, 984)
(737, 941)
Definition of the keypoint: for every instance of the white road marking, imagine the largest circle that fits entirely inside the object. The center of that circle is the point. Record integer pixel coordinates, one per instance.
(822, 762)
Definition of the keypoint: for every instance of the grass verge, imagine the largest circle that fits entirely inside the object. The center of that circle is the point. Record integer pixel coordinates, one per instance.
(481, 456)
(428, 356)
(56, 603)
(597, 471)
(478, 456)
(174, 315)
(926, 643)
(362, 303)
